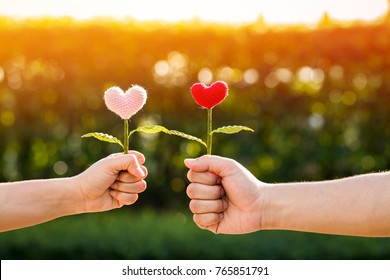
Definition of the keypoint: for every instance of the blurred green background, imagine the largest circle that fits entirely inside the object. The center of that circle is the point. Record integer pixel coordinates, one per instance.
(317, 98)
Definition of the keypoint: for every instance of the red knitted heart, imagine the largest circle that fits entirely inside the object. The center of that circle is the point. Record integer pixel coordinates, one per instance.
(209, 97)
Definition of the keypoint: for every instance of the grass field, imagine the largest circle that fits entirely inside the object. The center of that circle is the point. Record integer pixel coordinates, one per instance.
(148, 234)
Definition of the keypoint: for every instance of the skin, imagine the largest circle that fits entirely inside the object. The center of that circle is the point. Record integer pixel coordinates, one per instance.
(108, 184)
(227, 198)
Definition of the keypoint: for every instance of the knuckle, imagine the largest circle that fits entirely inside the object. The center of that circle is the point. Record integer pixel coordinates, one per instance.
(144, 185)
(191, 206)
(190, 190)
(221, 205)
(217, 192)
(189, 175)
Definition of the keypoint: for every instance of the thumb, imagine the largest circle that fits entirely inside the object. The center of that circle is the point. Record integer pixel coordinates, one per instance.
(218, 165)
(130, 162)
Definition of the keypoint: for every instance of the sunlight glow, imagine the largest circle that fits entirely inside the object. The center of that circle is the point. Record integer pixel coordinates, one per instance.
(243, 11)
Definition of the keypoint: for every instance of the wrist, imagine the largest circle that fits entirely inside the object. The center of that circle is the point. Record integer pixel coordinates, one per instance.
(270, 209)
(262, 198)
(75, 195)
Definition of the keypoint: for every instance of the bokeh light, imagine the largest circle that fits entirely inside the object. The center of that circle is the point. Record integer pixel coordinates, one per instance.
(317, 98)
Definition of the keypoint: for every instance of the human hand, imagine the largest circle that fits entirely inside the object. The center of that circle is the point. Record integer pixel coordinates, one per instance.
(225, 196)
(112, 182)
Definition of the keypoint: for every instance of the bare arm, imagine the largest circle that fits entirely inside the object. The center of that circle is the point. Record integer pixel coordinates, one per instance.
(226, 198)
(358, 205)
(31, 202)
(109, 183)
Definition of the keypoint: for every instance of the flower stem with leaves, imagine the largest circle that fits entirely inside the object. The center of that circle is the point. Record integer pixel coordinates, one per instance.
(150, 129)
(126, 136)
(208, 97)
(209, 129)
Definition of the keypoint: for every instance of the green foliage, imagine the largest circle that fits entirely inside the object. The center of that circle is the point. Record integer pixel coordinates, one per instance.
(231, 129)
(104, 137)
(150, 129)
(186, 136)
(318, 101)
(154, 234)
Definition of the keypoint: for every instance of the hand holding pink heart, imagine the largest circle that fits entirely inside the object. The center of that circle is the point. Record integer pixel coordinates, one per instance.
(125, 104)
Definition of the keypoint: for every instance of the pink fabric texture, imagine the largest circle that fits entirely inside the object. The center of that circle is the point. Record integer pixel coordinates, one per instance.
(125, 104)
(209, 97)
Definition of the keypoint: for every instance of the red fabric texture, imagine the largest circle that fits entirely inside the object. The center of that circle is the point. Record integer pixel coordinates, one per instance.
(209, 96)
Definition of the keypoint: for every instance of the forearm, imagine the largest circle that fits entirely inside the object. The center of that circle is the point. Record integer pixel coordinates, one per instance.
(32, 202)
(357, 205)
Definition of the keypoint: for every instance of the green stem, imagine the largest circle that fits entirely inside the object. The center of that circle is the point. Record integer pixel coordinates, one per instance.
(126, 136)
(209, 129)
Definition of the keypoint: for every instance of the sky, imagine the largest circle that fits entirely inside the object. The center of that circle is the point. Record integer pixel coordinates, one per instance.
(224, 11)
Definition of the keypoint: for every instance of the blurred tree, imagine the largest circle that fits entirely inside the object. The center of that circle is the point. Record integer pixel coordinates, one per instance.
(318, 99)
(388, 12)
(325, 21)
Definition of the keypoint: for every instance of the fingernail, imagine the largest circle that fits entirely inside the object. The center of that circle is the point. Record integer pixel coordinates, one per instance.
(189, 161)
(139, 172)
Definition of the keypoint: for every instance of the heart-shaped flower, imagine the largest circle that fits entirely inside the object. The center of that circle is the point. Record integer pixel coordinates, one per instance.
(209, 97)
(125, 104)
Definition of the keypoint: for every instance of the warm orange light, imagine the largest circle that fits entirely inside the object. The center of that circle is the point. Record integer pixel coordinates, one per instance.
(275, 11)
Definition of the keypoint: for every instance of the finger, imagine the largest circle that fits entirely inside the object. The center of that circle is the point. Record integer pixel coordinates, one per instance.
(205, 192)
(126, 177)
(124, 198)
(206, 220)
(140, 157)
(215, 164)
(129, 162)
(208, 206)
(206, 178)
(136, 187)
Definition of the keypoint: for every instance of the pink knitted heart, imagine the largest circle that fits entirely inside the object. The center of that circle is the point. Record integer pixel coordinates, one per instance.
(125, 104)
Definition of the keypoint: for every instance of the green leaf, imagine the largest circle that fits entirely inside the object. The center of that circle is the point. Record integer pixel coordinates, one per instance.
(159, 128)
(187, 136)
(150, 129)
(231, 129)
(103, 137)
